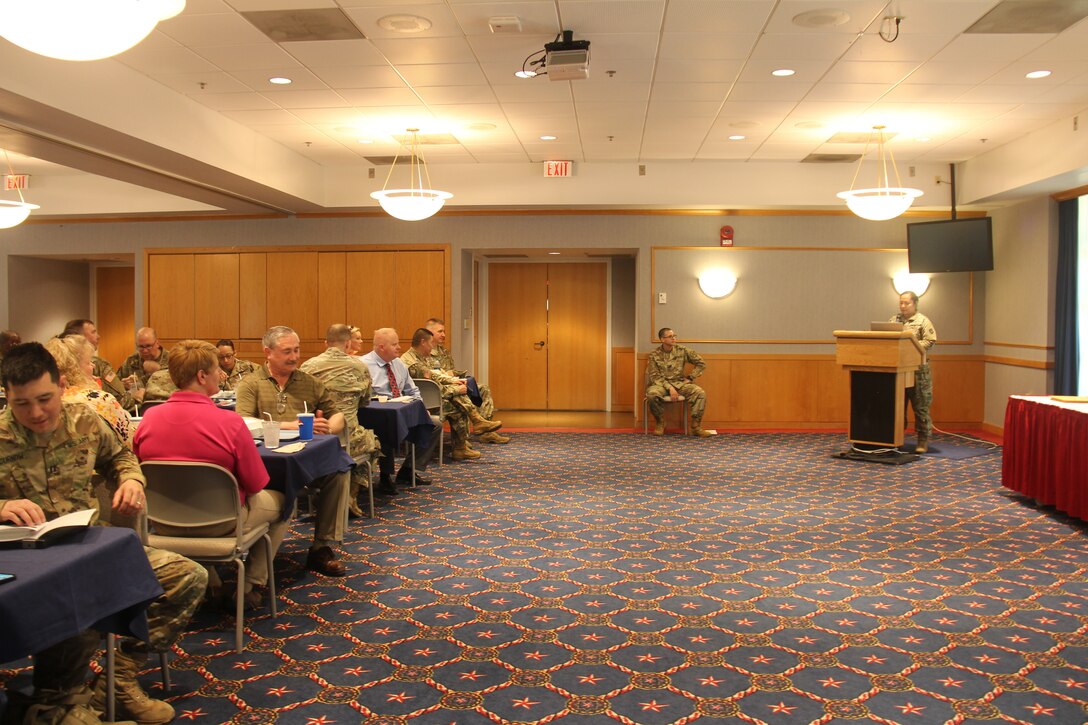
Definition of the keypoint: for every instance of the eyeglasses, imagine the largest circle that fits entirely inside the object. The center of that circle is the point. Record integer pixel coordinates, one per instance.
(668, 337)
(227, 356)
(147, 346)
(281, 406)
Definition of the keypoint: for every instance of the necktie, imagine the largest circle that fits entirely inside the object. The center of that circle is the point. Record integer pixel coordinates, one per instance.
(394, 389)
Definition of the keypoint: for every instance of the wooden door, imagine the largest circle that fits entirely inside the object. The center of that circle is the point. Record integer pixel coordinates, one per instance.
(518, 334)
(547, 336)
(577, 336)
(115, 318)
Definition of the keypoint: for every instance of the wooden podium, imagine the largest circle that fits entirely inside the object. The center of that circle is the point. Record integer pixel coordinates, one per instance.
(881, 366)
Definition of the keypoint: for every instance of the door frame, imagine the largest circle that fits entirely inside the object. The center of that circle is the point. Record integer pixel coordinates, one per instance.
(483, 309)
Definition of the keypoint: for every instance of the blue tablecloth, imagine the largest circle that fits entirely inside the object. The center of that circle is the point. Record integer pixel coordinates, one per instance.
(97, 578)
(290, 472)
(394, 423)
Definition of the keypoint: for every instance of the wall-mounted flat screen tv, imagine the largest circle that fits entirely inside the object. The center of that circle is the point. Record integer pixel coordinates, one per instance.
(953, 245)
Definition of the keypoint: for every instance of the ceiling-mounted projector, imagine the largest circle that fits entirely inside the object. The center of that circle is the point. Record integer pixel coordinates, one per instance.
(567, 59)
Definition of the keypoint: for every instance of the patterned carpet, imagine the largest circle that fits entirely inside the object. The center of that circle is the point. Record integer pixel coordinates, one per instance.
(619, 578)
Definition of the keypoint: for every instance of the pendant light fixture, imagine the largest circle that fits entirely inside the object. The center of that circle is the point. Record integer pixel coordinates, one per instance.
(417, 201)
(884, 201)
(14, 213)
(82, 29)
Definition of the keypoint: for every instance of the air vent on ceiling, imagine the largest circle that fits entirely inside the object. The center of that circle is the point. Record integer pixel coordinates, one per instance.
(380, 160)
(291, 26)
(830, 158)
(1031, 16)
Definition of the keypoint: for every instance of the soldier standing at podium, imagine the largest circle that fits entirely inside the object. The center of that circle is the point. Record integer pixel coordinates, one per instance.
(921, 395)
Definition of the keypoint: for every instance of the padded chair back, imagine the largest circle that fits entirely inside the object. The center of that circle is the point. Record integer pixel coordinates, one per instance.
(189, 494)
(432, 394)
(144, 407)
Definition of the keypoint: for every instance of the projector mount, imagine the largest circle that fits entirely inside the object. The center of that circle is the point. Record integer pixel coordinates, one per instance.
(564, 59)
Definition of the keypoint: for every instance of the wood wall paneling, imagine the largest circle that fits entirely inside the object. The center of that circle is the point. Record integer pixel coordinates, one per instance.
(832, 391)
(417, 298)
(784, 390)
(170, 279)
(370, 292)
(215, 296)
(332, 282)
(252, 293)
(292, 284)
(623, 378)
(115, 316)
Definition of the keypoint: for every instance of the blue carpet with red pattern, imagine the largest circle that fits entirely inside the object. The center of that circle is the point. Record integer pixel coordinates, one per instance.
(619, 578)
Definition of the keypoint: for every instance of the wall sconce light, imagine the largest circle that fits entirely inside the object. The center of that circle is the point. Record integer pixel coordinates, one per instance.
(907, 282)
(717, 283)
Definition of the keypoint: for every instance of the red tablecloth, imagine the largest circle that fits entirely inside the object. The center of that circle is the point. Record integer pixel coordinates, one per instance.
(1046, 452)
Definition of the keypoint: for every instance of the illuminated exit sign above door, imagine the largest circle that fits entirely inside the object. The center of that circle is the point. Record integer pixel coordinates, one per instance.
(558, 169)
(16, 181)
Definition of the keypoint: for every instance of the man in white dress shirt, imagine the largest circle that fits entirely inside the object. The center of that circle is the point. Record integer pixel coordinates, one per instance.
(389, 376)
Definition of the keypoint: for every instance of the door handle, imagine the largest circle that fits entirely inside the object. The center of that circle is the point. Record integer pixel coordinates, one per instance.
(538, 345)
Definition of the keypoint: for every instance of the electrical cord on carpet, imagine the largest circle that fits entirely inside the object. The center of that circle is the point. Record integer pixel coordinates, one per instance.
(986, 444)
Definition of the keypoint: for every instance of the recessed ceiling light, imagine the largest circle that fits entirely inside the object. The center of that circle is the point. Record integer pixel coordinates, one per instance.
(525, 73)
(280, 81)
(554, 252)
(407, 24)
(783, 72)
(1038, 74)
(548, 138)
(737, 138)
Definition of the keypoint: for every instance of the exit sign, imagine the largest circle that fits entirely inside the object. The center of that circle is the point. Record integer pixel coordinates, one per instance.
(558, 169)
(16, 181)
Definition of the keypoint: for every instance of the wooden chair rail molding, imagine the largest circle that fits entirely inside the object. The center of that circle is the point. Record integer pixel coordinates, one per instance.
(812, 391)
(239, 293)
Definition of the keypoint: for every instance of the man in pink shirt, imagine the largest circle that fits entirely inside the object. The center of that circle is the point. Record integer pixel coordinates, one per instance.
(190, 427)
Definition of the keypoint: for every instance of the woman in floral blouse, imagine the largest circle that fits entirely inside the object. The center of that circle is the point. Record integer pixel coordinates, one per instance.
(74, 358)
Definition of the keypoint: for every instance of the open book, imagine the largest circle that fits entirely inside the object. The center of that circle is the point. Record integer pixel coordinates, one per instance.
(50, 529)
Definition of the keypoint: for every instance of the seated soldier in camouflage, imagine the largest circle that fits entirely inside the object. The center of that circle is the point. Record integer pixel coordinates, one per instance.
(456, 406)
(348, 382)
(232, 368)
(159, 386)
(49, 449)
(441, 359)
(667, 378)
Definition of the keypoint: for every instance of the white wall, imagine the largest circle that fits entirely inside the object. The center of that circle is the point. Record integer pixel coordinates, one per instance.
(1019, 303)
(46, 293)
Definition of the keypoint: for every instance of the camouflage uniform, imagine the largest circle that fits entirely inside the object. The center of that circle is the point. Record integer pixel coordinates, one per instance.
(134, 365)
(456, 407)
(259, 393)
(57, 476)
(348, 381)
(668, 367)
(921, 395)
(111, 382)
(159, 386)
(242, 368)
(441, 359)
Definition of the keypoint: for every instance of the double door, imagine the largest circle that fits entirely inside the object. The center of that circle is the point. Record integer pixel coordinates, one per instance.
(548, 335)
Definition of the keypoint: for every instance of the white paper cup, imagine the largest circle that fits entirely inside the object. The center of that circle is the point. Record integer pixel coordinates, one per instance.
(383, 398)
(271, 432)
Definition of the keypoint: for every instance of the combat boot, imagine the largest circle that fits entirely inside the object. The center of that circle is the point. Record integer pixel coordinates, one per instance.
(923, 444)
(131, 699)
(54, 707)
(659, 427)
(494, 437)
(698, 431)
(481, 424)
(353, 501)
(464, 453)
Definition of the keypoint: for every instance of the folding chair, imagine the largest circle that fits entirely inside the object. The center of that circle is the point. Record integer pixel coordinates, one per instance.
(432, 400)
(194, 495)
